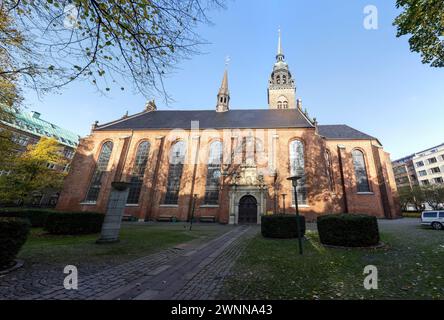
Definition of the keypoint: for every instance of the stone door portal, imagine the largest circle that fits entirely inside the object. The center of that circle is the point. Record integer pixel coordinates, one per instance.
(247, 210)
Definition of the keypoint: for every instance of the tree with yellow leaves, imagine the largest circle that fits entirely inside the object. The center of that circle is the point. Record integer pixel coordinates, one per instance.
(31, 172)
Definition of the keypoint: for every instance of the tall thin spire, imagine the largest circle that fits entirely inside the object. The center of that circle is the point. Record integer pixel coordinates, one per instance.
(281, 87)
(223, 97)
(224, 85)
(280, 52)
(279, 42)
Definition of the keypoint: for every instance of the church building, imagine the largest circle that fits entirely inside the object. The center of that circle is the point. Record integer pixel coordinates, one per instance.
(231, 166)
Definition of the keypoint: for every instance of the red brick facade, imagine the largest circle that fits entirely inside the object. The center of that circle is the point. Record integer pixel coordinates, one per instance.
(323, 196)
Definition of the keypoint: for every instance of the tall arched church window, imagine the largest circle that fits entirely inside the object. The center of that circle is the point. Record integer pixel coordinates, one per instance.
(360, 171)
(297, 167)
(102, 165)
(213, 174)
(285, 104)
(279, 104)
(138, 172)
(284, 79)
(177, 160)
(250, 151)
(278, 79)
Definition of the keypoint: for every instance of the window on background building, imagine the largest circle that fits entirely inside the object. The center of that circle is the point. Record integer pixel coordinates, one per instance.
(360, 171)
(425, 182)
(213, 174)
(403, 180)
(20, 139)
(102, 165)
(420, 164)
(297, 167)
(432, 160)
(50, 165)
(285, 105)
(177, 160)
(422, 173)
(279, 104)
(438, 180)
(138, 172)
(435, 170)
(68, 153)
(401, 170)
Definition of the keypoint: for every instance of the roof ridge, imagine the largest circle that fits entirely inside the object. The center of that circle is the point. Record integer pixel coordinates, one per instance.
(124, 119)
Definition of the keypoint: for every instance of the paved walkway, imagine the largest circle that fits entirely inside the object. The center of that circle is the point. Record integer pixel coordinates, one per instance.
(187, 271)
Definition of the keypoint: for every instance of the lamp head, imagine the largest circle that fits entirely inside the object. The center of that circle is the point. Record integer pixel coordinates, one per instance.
(294, 180)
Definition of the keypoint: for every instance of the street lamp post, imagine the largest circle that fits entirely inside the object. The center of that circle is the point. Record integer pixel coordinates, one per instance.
(294, 181)
(192, 211)
(283, 201)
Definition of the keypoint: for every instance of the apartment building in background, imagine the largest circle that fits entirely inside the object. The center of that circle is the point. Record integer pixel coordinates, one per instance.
(421, 168)
(405, 173)
(429, 165)
(27, 128)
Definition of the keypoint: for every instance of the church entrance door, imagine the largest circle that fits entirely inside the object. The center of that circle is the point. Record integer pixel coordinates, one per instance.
(247, 210)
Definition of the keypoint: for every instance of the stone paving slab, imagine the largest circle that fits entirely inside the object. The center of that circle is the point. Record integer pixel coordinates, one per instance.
(189, 271)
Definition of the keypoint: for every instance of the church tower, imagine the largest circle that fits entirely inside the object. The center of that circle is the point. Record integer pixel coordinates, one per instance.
(281, 87)
(223, 97)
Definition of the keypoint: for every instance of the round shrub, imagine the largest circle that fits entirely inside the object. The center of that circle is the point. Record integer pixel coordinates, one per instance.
(13, 234)
(72, 223)
(36, 217)
(282, 226)
(348, 230)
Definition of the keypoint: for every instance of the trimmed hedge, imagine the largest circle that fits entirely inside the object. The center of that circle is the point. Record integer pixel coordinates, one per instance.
(281, 226)
(36, 217)
(13, 235)
(348, 230)
(411, 214)
(74, 222)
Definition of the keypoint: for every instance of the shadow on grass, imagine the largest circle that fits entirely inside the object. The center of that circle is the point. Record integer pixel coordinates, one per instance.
(273, 269)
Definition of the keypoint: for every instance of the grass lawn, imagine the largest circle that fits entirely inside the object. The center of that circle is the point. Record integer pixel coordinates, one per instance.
(136, 240)
(411, 267)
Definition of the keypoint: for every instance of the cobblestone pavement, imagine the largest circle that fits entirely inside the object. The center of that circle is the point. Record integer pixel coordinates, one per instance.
(188, 271)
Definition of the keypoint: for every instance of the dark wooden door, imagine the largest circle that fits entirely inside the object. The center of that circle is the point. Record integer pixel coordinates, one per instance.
(247, 210)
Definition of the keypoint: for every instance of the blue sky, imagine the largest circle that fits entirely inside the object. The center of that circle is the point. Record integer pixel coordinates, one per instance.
(344, 73)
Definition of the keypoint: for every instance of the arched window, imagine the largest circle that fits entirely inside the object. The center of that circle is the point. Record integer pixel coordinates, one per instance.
(360, 171)
(279, 104)
(278, 79)
(329, 172)
(177, 159)
(285, 104)
(102, 165)
(297, 167)
(138, 172)
(251, 151)
(284, 79)
(213, 173)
